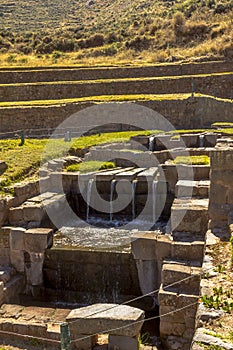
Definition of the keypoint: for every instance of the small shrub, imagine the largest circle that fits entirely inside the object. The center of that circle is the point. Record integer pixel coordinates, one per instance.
(178, 23)
(139, 43)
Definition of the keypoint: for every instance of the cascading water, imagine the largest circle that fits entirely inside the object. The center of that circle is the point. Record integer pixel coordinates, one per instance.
(112, 188)
(154, 193)
(151, 143)
(89, 188)
(134, 184)
(201, 141)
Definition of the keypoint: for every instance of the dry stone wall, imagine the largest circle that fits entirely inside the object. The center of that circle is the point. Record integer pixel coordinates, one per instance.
(26, 75)
(185, 113)
(217, 85)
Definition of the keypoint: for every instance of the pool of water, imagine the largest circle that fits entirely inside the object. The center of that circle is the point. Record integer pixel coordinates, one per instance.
(100, 234)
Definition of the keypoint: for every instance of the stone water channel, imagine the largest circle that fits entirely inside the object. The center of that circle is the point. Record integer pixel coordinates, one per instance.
(116, 250)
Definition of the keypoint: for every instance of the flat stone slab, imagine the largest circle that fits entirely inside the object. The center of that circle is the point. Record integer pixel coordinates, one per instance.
(106, 318)
(110, 174)
(148, 174)
(129, 175)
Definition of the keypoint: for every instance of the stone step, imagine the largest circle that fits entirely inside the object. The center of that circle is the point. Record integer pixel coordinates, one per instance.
(33, 212)
(123, 157)
(189, 277)
(41, 324)
(190, 215)
(186, 188)
(188, 250)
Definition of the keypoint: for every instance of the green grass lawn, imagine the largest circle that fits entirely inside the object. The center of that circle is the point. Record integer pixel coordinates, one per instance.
(24, 161)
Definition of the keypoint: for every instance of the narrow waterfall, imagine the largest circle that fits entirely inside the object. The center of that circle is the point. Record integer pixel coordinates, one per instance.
(89, 188)
(134, 184)
(151, 143)
(154, 193)
(113, 184)
(201, 140)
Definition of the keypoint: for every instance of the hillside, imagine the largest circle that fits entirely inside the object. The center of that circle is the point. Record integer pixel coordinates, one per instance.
(155, 31)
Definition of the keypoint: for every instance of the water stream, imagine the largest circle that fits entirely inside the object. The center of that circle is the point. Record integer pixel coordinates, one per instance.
(134, 184)
(89, 188)
(201, 141)
(113, 184)
(151, 143)
(154, 193)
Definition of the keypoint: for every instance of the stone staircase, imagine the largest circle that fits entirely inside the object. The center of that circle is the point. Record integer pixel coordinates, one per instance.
(179, 301)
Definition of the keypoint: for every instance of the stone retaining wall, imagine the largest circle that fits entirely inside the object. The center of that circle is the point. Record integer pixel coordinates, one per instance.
(82, 276)
(216, 85)
(187, 113)
(16, 75)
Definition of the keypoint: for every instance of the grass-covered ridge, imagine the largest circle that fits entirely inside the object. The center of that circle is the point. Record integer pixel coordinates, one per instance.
(24, 161)
(99, 81)
(107, 98)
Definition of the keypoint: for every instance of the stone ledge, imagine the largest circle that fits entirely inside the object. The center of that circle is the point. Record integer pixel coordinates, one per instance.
(95, 320)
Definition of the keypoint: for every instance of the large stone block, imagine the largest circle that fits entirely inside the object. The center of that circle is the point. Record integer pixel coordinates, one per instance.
(210, 140)
(33, 212)
(190, 216)
(34, 268)
(38, 239)
(186, 278)
(169, 328)
(17, 260)
(164, 247)
(222, 159)
(147, 275)
(95, 320)
(17, 238)
(143, 245)
(190, 141)
(117, 342)
(219, 212)
(16, 216)
(169, 298)
(218, 194)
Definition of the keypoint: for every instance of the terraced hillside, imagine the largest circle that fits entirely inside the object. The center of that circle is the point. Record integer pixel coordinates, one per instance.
(43, 98)
(151, 30)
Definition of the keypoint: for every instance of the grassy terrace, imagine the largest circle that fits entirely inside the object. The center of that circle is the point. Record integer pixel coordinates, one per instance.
(24, 161)
(106, 98)
(72, 82)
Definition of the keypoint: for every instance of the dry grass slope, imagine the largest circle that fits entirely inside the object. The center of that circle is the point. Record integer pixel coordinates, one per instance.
(112, 31)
